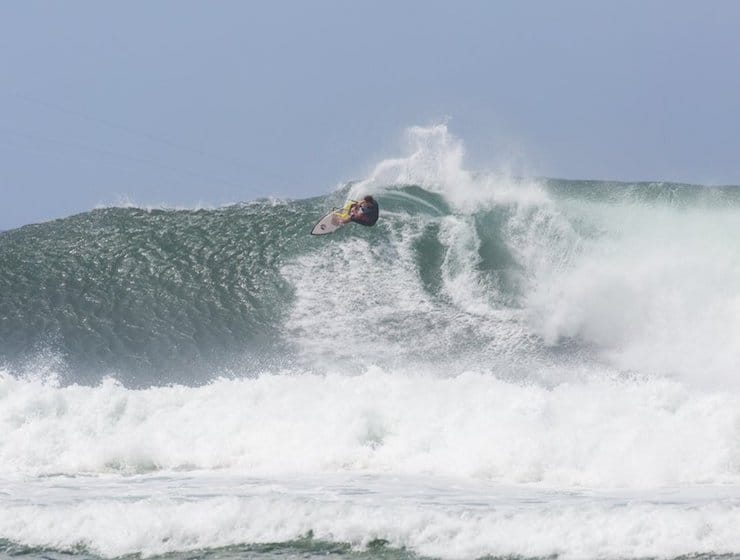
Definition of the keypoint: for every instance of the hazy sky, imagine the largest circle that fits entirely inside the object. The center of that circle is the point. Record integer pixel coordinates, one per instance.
(181, 102)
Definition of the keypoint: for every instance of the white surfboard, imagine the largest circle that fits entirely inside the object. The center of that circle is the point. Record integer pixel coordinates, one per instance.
(328, 224)
(332, 221)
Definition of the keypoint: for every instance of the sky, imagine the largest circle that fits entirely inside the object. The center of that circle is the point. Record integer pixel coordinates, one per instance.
(184, 103)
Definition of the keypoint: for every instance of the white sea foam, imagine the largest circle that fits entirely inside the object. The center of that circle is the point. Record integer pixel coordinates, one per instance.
(648, 285)
(656, 292)
(445, 518)
(605, 433)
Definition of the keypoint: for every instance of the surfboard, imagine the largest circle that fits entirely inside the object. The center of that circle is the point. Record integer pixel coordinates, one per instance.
(327, 224)
(332, 221)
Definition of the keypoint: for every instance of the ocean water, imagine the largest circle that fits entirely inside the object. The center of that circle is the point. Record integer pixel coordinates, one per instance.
(502, 367)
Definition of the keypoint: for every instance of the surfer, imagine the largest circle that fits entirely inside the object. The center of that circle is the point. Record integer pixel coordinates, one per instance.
(364, 212)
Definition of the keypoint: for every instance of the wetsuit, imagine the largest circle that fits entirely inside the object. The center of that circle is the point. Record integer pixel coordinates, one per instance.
(368, 214)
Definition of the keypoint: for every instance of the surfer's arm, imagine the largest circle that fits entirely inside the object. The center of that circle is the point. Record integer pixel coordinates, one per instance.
(348, 213)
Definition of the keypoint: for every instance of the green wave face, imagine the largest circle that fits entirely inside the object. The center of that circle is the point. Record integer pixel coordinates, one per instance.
(136, 292)
(162, 296)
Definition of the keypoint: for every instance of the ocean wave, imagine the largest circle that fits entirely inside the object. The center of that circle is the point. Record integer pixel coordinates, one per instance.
(464, 268)
(556, 336)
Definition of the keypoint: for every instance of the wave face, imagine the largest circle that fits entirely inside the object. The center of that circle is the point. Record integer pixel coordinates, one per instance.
(546, 334)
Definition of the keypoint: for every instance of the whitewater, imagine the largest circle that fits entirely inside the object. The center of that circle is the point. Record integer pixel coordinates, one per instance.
(501, 367)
